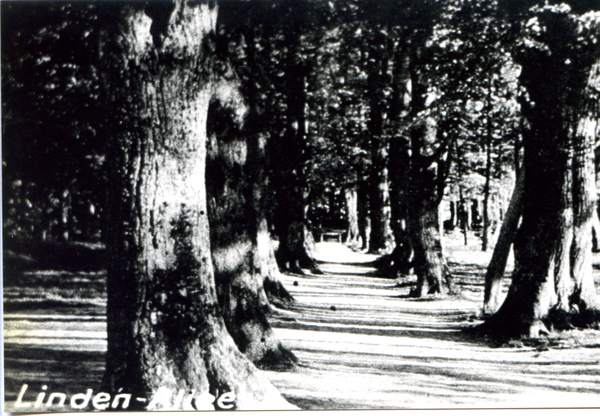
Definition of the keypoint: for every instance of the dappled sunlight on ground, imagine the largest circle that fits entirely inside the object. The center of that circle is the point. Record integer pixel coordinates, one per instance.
(363, 345)
(339, 253)
(361, 342)
(457, 252)
(369, 349)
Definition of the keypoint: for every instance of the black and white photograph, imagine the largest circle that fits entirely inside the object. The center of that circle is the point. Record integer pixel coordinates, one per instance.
(300, 205)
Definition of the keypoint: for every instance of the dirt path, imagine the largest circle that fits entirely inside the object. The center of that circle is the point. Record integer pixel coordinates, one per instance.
(361, 342)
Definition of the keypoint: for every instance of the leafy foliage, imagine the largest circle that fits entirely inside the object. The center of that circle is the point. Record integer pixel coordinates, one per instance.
(52, 147)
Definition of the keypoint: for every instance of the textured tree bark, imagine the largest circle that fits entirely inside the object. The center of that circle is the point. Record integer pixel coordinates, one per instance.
(531, 293)
(417, 173)
(423, 200)
(584, 199)
(486, 187)
(546, 244)
(433, 276)
(553, 246)
(363, 215)
(235, 186)
(288, 159)
(495, 270)
(167, 340)
(378, 180)
(425, 185)
(352, 232)
(560, 261)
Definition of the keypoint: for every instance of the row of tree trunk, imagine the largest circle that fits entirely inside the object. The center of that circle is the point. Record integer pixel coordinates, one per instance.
(190, 255)
(417, 169)
(189, 261)
(552, 285)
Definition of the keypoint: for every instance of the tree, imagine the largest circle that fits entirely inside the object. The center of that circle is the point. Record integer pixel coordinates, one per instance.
(239, 253)
(377, 68)
(419, 148)
(246, 272)
(166, 336)
(581, 292)
(289, 64)
(250, 35)
(53, 155)
(495, 270)
(449, 93)
(337, 132)
(558, 51)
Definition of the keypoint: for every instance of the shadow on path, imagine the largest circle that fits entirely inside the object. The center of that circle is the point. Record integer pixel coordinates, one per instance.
(361, 344)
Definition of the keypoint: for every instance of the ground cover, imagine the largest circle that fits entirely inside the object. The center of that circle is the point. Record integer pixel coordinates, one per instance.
(361, 342)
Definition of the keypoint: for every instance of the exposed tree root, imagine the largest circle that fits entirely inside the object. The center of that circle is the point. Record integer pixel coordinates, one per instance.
(277, 359)
(277, 294)
(394, 264)
(296, 263)
(245, 306)
(502, 331)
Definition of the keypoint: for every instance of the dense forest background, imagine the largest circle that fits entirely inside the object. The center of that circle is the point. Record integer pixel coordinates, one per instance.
(54, 177)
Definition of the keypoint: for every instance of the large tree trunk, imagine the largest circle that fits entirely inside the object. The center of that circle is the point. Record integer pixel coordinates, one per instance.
(425, 183)
(399, 260)
(363, 214)
(352, 232)
(423, 200)
(486, 189)
(167, 340)
(378, 181)
(560, 261)
(399, 162)
(257, 204)
(433, 276)
(495, 270)
(584, 200)
(532, 293)
(234, 187)
(417, 172)
(271, 353)
(294, 252)
(543, 240)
